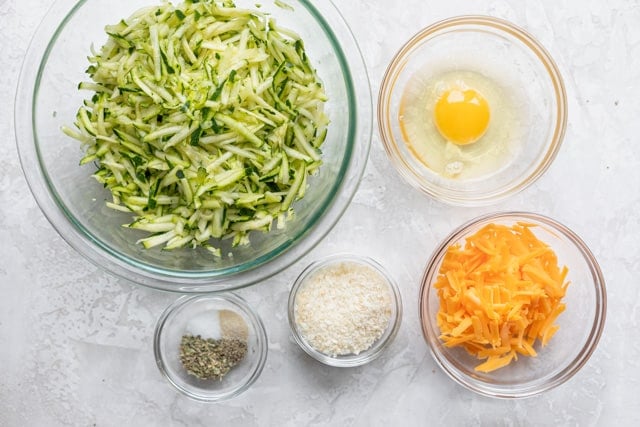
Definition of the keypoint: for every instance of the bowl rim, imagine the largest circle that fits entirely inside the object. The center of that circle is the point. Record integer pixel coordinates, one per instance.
(249, 314)
(388, 84)
(528, 389)
(360, 133)
(378, 347)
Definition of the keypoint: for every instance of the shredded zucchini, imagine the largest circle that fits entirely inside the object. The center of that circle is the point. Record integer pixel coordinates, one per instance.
(204, 122)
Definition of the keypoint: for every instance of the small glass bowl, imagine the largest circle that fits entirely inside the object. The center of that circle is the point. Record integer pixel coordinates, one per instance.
(200, 315)
(581, 323)
(534, 120)
(376, 349)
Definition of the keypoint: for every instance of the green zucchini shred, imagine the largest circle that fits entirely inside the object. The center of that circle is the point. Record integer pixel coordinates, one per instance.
(204, 122)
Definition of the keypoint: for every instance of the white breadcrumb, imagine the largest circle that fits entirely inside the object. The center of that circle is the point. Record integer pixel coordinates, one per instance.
(343, 308)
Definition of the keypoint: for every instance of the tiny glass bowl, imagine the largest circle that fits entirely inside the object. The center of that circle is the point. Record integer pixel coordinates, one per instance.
(532, 105)
(202, 315)
(379, 345)
(580, 325)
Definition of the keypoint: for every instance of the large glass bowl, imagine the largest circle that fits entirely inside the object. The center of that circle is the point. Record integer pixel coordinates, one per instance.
(533, 109)
(47, 98)
(580, 325)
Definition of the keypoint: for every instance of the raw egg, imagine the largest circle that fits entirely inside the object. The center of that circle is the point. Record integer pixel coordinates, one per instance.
(462, 115)
(460, 124)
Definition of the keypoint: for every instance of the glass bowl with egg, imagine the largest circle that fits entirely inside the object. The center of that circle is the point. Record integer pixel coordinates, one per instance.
(210, 347)
(512, 304)
(344, 310)
(471, 110)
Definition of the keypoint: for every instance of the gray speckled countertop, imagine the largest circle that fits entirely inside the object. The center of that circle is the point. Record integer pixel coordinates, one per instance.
(76, 343)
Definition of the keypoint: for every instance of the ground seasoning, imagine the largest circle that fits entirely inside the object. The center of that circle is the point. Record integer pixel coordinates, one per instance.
(211, 358)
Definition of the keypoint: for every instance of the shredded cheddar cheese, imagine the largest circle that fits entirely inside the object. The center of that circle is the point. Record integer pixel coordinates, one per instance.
(499, 293)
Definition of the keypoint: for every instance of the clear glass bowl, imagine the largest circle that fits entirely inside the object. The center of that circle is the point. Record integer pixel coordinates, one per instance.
(525, 73)
(74, 203)
(378, 347)
(199, 315)
(568, 350)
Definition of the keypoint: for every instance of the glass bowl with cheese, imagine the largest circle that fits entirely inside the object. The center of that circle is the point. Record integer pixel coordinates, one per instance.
(512, 304)
(471, 110)
(344, 310)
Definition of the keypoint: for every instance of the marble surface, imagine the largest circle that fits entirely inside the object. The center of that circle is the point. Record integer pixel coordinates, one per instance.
(76, 343)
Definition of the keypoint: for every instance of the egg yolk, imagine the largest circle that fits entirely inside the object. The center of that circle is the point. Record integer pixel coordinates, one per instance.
(462, 116)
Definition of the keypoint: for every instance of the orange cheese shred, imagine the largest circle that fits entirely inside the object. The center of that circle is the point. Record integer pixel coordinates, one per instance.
(499, 294)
